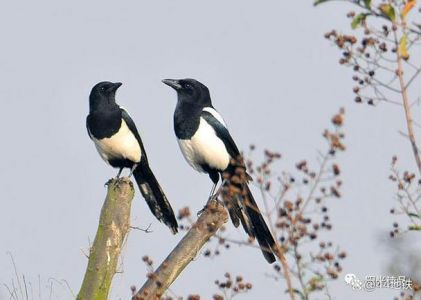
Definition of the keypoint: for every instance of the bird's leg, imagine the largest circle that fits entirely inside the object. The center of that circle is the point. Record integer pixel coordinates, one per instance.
(211, 192)
(117, 178)
(119, 173)
(215, 196)
(209, 199)
(132, 170)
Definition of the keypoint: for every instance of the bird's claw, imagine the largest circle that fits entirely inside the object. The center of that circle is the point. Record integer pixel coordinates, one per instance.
(212, 199)
(108, 182)
(202, 210)
(116, 180)
(215, 198)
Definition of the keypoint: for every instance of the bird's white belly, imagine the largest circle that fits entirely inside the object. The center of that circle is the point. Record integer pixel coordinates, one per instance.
(122, 145)
(205, 148)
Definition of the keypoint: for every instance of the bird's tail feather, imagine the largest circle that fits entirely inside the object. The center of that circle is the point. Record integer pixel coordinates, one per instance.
(238, 214)
(243, 208)
(155, 197)
(260, 229)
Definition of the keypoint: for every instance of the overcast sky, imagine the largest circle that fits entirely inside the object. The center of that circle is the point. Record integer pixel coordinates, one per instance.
(272, 76)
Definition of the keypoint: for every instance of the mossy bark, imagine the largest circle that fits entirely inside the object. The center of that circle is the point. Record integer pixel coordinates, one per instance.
(114, 224)
(206, 226)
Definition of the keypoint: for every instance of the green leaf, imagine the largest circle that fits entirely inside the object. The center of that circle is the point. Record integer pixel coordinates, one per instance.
(358, 20)
(367, 3)
(317, 2)
(414, 215)
(312, 283)
(388, 11)
(414, 227)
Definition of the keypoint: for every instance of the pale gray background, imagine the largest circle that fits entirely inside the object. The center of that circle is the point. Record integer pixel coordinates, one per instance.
(272, 76)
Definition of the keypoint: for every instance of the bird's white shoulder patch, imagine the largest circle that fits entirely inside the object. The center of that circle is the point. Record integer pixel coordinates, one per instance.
(122, 145)
(215, 114)
(205, 147)
(122, 108)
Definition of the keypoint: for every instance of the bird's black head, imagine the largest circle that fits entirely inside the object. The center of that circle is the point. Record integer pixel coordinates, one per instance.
(190, 91)
(103, 95)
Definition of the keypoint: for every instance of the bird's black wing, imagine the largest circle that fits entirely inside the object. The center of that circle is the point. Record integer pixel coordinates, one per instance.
(132, 126)
(222, 132)
(243, 207)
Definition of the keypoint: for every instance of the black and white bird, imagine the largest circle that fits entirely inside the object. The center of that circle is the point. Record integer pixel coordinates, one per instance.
(208, 147)
(118, 142)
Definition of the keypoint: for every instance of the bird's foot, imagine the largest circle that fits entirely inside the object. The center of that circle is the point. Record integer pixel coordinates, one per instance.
(115, 181)
(109, 181)
(212, 200)
(202, 210)
(118, 179)
(215, 199)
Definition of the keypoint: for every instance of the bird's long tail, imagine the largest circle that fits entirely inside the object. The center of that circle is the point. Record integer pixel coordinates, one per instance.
(261, 231)
(155, 197)
(243, 208)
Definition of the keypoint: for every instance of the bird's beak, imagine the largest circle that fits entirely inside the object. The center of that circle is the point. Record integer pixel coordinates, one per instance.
(115, 86)
(175, 84)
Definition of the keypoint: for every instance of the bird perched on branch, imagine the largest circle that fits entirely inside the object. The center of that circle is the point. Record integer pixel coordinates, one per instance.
(119, 144)
(208, 147)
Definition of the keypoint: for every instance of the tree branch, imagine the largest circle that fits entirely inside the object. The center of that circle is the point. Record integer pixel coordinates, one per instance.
(114, 224)
(407, 106)
(279, 252)
(206, 226)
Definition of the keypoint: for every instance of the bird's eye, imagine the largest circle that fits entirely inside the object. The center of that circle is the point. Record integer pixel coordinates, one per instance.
(188, 86)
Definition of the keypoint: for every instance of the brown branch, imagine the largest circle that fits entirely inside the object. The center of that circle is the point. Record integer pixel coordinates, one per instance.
(212, 218)
(114, 224)
(406, 105)
(300, 274)
(317, 180)
(279, 252)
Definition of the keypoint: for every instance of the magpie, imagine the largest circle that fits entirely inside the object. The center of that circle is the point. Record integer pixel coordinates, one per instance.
(119, 144)
(208, 147)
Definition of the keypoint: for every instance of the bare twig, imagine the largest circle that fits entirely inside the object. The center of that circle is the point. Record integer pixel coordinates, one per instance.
(406, 106)
(145, 230)
(279, 252)
(317, 180)
(213, 217)
(17, 275)
(281, 257)
(411, 200)
(300, 274)
(104, 254)
(417, 72)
